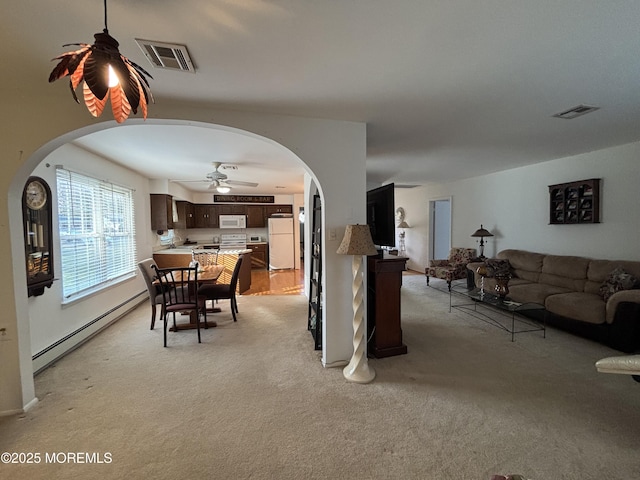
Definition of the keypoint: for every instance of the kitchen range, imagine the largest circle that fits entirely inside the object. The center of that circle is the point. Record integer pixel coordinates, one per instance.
(233, 241)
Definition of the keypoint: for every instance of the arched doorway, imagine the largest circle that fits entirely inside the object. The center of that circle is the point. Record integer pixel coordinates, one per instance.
(311, 138)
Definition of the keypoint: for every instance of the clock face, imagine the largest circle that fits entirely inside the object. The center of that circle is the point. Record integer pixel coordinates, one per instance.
(36, 195)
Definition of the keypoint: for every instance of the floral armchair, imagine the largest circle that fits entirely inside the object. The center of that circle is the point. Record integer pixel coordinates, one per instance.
(453, 268)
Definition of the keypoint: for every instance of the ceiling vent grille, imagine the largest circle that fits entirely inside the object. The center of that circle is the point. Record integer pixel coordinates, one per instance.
(576, 112)
(167, 55)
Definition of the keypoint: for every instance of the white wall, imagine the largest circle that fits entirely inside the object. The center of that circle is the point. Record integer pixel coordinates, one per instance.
(49, 319)
(514, 206)
(334, 153)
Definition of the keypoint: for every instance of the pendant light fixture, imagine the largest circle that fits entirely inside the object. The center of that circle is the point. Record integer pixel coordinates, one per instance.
(106, 73)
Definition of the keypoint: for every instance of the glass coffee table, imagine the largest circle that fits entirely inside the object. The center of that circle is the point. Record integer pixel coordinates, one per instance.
(502, 313)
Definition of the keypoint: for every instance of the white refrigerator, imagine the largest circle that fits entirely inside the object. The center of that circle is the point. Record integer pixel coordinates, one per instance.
(281, 253)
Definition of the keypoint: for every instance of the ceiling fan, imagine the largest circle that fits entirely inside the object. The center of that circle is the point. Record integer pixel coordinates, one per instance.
(220, 181)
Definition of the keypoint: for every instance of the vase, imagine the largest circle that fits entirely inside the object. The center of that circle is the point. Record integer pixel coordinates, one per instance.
(502, 286)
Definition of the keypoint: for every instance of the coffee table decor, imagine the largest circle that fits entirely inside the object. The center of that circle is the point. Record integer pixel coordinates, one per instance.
(502, 285)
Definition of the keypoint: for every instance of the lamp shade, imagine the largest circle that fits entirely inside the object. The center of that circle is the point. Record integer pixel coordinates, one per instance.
(403, 224)
(482, 232)
(357, 241)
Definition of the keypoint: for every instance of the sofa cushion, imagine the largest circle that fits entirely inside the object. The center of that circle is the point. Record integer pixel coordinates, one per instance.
(599, 270)
(497, 267)
(586, 307)
(564, 271)
(617, 281)
(525, 265)
(533, 292)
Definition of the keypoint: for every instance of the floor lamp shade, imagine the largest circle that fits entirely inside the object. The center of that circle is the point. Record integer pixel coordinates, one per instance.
(357, 242)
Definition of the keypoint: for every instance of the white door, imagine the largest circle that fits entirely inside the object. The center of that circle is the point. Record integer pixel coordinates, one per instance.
(440, 221)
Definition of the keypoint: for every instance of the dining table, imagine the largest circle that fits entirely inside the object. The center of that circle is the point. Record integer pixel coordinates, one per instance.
(206, 274)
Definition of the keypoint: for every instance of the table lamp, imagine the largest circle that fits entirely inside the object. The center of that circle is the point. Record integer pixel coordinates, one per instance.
(482, 232)
(357, 242)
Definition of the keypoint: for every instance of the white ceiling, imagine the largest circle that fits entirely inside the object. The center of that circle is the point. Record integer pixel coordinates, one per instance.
(449, 89)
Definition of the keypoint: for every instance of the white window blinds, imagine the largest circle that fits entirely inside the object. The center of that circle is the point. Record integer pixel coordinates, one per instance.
(97, 232)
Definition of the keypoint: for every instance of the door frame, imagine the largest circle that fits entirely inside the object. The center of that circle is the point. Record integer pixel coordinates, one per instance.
(432, 225)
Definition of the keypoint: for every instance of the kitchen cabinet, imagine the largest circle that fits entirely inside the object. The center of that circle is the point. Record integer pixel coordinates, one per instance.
(259, 254)
(161, 212)
(206, 216)
(271, 209)
(186, 215)
(231, 209)
(255, 216)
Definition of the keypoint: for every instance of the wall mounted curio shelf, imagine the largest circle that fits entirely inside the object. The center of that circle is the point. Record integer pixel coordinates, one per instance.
(575, 202)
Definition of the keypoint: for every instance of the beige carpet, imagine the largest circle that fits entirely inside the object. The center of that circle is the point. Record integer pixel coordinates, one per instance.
(253, 402)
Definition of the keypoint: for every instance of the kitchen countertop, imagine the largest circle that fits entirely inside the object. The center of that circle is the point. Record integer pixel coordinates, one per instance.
(186, 250)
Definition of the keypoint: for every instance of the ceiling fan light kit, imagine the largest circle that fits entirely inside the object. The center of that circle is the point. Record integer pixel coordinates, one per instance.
(219, 181)
(106, 74)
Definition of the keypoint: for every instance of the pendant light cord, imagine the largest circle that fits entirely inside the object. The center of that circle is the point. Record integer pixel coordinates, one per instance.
(106, 30)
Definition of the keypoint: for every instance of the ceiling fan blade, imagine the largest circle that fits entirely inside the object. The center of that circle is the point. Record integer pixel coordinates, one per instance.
(241, 183)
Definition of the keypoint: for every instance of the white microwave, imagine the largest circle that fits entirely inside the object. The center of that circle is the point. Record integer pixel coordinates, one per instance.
(233, 221)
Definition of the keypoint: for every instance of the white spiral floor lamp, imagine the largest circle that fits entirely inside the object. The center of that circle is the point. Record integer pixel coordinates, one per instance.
(357, 242)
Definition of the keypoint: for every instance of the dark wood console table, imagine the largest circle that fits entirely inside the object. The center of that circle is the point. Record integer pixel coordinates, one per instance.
(384, 279)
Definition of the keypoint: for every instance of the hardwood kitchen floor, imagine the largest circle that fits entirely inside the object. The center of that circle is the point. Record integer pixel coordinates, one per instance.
(283, 282)
(279, 282)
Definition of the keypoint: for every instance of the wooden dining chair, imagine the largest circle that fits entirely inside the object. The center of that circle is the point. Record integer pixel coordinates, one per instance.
(155, 295)
(180, 294)
(224, 291)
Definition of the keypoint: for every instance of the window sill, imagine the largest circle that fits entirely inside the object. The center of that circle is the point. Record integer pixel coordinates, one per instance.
(76, 298)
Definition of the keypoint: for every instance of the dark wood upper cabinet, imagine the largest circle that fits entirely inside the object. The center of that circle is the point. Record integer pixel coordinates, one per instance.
(206, 216)
(255, 216)
(231, 209)
(186, 215)
(161, 212)
(271, 209)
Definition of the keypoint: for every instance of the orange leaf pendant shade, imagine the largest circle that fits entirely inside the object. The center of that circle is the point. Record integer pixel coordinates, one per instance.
(95, 64)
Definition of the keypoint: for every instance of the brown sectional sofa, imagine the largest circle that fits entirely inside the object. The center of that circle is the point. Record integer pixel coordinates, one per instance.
(570, 289)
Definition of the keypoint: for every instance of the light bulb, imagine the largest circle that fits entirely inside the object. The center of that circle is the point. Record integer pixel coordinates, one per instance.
(113, 78)
(223, 189)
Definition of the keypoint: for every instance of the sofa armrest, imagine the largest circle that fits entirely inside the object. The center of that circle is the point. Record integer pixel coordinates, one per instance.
(630, 296)
(473, 266)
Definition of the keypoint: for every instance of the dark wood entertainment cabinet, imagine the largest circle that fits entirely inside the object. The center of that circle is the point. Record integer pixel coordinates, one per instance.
(384, 331)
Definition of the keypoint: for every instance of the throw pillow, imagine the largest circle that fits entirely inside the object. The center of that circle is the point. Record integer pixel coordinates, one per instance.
(496, 267)
(616, 281)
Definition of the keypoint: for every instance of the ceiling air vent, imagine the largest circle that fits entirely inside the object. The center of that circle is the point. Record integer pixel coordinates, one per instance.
(576, 112)
(167, 55)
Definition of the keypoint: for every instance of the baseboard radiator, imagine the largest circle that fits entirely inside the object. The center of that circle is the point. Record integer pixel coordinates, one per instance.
(67, 344)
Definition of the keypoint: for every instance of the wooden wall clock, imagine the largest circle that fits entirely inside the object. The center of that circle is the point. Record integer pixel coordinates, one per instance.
(37, 219)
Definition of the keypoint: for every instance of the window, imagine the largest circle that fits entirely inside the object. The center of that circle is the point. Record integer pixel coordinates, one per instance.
(97, 233)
